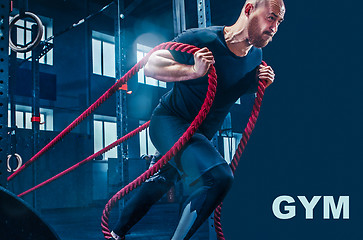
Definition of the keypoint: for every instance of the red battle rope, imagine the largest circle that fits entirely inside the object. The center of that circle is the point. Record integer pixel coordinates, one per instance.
(212, 80)
(168, 45)
(93, 156)
(241, 146)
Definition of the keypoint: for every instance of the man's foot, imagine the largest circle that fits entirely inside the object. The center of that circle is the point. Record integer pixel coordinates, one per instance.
(116, 237)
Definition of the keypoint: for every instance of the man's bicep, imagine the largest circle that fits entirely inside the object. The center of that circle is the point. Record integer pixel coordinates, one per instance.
(164, 54)
(160, 58)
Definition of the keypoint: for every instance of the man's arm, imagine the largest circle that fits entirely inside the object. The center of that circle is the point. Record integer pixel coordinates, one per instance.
(162, 66)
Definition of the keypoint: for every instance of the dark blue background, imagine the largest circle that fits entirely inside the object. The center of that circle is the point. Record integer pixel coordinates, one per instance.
(307, 140)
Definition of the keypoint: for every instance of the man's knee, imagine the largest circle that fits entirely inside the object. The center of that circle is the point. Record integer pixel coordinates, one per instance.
(226, 176)
(220, 176)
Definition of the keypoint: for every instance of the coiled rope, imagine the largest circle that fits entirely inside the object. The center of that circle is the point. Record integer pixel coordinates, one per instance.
(241, 146)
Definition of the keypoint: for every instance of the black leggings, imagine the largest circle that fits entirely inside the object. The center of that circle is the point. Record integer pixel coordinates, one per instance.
(208, 191)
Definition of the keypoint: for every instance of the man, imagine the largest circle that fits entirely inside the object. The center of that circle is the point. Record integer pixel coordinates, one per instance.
(236, 54)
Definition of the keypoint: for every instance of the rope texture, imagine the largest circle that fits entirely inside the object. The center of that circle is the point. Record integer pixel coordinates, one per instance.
(103, 98)
(212, 79)
(212, 85)
(93, 156)
(241, 146)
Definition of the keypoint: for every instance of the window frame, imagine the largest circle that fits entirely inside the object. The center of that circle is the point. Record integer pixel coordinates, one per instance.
(25, 27)
(103, 39)
(104, 119)
(46, 117)
(141, 78)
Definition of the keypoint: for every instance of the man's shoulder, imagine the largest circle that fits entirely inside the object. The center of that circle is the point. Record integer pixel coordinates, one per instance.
(200, 36)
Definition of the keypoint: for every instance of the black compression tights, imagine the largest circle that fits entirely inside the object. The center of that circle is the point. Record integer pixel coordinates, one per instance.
(210, 189)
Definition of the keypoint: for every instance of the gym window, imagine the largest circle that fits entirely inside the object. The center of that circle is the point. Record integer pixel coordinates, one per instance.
(23, 115)
(230, 144)
(146, 146)
(230, 139)
(105, 133)
(23, 36)
(142, 50)
(103, 54)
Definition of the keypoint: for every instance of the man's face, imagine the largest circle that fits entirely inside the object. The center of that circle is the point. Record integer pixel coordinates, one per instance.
(264, 22)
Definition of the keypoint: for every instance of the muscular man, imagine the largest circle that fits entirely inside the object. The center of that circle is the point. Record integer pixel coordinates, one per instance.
(236, 54)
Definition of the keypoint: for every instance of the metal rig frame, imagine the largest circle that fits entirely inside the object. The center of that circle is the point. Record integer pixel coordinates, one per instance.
(4, 85)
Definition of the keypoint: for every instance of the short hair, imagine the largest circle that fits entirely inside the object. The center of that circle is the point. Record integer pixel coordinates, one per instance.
(256, 3)
(259, 2)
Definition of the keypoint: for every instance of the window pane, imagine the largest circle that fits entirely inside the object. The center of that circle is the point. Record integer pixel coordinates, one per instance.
(50, 57)
(96, 56)
(28, 54)
(20, 23)
(49, 120)
(44, 32)
(98, 135)
(162, 84)
(140, 76)
(28, 121)
(9, 118)
(20, 41)
(142, 138)
(49, 31)
(19, 119)
(29, 24)
(108, 59)
(151, 148)
(226, 144)
(28, 36)
(20, 36)
(229, 148)
(42, 120)
(110, 137)
(140, 55)
(151, 81)
(20, 55)
(42, 60)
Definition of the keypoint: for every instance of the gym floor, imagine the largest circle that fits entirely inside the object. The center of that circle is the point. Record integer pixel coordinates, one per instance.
(85, 223)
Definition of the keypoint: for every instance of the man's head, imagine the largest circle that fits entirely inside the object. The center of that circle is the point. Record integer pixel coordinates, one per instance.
(263, 19)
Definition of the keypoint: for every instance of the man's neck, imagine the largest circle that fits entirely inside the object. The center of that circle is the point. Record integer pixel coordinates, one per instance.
(236, 39)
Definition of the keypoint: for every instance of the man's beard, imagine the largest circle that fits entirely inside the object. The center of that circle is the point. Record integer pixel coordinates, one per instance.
(255, 35)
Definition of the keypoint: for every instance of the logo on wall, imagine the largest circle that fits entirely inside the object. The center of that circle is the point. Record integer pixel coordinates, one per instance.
(284, 207)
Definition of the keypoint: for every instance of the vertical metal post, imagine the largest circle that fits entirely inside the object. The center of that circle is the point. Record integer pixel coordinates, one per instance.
(4, 84)
(35, 108)
(88, 60)
(12, 85)
(121, 104)
(204, 15)
(179, 16)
